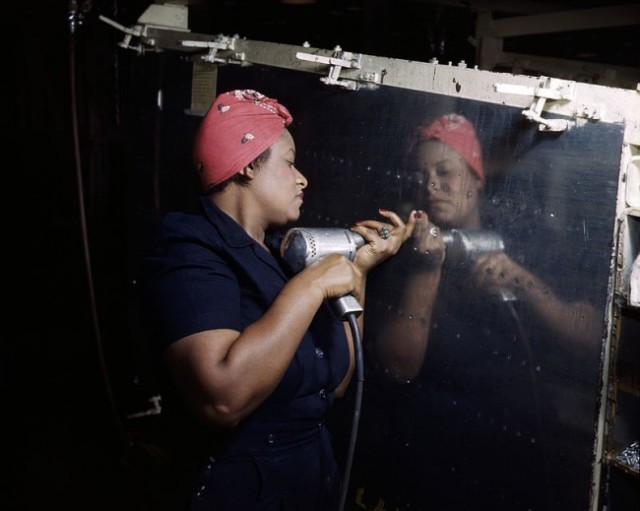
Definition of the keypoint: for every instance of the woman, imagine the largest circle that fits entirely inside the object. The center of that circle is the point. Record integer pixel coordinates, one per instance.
(256, 354)
(463, 424)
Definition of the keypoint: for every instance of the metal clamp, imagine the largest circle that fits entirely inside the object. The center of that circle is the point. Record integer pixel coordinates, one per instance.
(549, 89)
(130, 33)
(338, 61)
(163, 17)
(547, 124)
(221, 42)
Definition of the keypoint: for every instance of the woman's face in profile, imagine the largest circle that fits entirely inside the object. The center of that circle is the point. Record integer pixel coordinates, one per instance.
(278, 185)
(449, 188)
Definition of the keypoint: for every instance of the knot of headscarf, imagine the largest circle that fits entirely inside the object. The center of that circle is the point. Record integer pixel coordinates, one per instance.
(458, 133)
(239, 126)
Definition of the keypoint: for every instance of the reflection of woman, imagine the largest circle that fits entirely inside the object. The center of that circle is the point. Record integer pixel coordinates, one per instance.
(464, 427)
(254, 354)
(449, 171)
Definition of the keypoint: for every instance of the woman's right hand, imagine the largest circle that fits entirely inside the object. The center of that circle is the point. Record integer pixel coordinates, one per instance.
(334, 275)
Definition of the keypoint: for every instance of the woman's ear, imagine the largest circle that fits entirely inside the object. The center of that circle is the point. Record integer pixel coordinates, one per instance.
(249, 172)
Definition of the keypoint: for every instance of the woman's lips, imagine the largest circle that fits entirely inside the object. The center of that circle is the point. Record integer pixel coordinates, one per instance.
(437, 203)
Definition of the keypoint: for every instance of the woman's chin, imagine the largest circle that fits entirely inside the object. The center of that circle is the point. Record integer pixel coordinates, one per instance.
(441, 220)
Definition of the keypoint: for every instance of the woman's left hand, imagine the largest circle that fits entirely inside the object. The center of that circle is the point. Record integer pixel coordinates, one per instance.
(384, 239)
(496, 271)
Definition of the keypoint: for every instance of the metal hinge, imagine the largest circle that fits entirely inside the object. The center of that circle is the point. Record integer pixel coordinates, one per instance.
(163, 17)
(549, 89)
(221, 42)
(154, 409)
(154, 37)
(137, 31)
(338, 61)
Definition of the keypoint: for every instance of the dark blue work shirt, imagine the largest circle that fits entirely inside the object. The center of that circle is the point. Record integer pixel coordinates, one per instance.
(207, 273)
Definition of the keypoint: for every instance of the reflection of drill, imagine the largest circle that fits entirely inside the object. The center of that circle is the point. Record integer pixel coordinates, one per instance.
(463, 247)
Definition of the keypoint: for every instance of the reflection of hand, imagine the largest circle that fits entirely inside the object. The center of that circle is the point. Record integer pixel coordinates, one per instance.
(428, 243)
(384, 239)
(571, 322)
(496, 271)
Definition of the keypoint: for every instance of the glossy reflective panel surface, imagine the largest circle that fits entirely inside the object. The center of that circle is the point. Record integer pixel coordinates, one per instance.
(502, 411)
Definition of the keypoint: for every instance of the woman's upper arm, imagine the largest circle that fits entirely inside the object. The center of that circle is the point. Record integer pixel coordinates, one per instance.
(197, 366)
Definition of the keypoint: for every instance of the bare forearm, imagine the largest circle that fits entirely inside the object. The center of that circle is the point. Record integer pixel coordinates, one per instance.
(226, 375)
(570, 322)
(402, 342)
(271, 342)
(573, 322)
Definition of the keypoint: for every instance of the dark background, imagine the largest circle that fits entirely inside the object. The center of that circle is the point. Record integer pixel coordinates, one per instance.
(71, 365)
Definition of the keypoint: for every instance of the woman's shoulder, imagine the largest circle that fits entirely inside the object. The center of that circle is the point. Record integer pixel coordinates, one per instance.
(181, 222)
(181, 233)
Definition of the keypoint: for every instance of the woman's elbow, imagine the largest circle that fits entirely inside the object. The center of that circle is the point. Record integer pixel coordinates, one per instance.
(218, 415)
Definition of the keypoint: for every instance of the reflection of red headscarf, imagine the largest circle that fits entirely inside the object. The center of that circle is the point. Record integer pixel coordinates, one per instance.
(458, 133)
(239, 126)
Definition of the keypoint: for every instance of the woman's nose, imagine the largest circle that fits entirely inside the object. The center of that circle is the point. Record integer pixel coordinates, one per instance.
(302, 179)
(436, 184)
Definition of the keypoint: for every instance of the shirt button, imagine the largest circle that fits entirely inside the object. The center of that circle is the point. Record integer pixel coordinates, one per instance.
(319, 353)
(271, 439)
(322, 394)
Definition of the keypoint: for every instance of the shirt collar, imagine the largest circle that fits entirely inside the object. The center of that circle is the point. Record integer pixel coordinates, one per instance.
(235, 236)
(227, 227)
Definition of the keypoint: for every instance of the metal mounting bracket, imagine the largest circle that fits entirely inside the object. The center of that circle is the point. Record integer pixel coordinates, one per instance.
(136, 31)
(221, 42)
(162, 17)
(338, 61)
(549, 89)
(154, 37)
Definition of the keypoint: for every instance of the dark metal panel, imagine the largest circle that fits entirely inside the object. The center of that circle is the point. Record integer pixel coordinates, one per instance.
(507, 420)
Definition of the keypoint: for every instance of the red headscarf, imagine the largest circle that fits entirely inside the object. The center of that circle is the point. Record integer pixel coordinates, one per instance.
(239, 126)
(458, 133)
